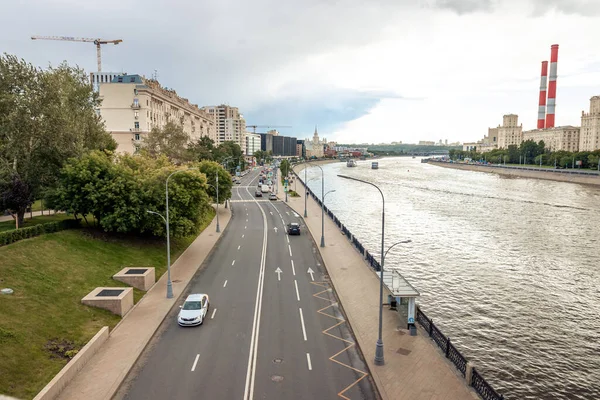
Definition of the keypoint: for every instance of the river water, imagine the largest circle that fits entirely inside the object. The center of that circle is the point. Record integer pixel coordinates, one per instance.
(507, 267)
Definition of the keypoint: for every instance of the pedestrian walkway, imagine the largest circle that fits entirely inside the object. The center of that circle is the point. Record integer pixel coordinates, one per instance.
(414, 367)
(106, 370)
(4, 218)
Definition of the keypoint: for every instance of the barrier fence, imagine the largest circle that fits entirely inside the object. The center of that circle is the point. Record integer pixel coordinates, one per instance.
(478, 383)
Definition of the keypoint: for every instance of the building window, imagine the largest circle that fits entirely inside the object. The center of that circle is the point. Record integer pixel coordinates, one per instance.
(136, 102)
(137, 136)
(120, 80)
(136, 125)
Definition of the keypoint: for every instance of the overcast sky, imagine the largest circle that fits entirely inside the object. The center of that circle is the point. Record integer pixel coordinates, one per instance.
(363, 71)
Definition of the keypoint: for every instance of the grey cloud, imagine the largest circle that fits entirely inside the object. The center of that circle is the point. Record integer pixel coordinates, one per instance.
(586, 8)
(462, 7)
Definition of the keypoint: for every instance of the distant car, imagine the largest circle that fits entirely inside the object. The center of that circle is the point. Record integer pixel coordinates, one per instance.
(194, 310)
(258, 193)
(272, 196)
(293, 228)
(238, 182)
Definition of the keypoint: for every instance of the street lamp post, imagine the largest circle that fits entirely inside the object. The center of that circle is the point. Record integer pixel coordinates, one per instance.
(217, 189)
(306, 190)
(169, 282)
(379, 357)
(322, 205)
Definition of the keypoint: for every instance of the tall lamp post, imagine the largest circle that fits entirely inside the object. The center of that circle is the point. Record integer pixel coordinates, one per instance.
(169, 283)
(217, 189)
(379, 358)
(322, 205)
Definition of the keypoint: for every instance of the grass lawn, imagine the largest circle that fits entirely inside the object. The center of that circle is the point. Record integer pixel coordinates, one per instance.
(50, 274)
(41, 219)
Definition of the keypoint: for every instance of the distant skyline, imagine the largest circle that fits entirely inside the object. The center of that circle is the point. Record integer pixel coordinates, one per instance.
(383, 70)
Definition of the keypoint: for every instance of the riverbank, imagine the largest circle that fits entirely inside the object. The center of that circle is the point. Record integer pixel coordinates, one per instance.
(524, 172)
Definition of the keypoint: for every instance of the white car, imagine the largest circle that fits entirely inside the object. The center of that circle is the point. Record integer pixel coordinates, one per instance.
(194, 310)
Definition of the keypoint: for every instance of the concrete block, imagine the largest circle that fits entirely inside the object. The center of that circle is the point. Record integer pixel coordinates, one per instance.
(142, 278)
(117, 300)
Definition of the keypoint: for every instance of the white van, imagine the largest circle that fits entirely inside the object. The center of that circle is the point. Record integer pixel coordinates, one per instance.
(264, 188)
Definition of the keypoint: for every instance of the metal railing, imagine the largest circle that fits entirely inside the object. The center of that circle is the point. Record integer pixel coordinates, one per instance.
(452, 353)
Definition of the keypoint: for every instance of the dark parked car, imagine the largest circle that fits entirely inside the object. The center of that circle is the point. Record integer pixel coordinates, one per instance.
(258, 193)
(293, 228)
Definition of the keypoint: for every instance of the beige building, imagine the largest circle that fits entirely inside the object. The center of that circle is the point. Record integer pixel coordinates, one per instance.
(510, 132)
(132, 105)
(315, 146)
(557, 138)
(489, 142)
(589, 137)
(231, 125)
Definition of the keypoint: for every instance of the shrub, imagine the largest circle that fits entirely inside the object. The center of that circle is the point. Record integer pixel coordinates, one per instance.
(13, 236)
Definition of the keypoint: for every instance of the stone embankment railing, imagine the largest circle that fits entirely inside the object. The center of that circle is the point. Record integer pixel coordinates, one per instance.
(470, 373)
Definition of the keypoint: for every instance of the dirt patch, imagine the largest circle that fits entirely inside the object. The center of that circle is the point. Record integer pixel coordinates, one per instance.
(61, 348)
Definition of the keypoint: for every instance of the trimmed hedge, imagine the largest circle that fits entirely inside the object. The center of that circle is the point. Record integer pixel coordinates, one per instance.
(9, 237)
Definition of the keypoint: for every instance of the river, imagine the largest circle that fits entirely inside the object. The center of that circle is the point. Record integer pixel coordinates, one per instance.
(507, 267)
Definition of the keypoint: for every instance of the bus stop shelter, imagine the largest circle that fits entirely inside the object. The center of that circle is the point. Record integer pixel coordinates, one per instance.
(403, 294)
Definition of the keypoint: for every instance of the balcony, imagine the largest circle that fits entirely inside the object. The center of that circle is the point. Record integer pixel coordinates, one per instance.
(135, 106)
(134, 129)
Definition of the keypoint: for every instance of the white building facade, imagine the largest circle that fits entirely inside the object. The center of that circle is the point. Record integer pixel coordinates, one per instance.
(230, 124)
(252, 143)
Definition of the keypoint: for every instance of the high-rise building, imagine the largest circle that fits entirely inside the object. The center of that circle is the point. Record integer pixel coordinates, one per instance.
(589, 135)
(132, 105)
(252, 143)
(510, 132)
(231, 125)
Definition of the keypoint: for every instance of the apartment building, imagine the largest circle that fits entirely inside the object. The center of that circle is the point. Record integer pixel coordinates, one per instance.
(589, 136)
(252, 143)
(132, 105)
(230, 124)
(556, 138)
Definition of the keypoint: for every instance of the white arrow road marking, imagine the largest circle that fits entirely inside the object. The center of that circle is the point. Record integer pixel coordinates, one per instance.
(296, 215)
(311, 272)
(278, 271)
(309, 363)
(287, 212)
(297, 293)
(195, 362)
(302, 321)
(293, 269)
(213, 314)
(275, 229)
(233, 262)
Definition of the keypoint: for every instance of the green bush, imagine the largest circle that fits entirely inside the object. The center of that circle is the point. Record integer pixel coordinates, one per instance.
(13, 236)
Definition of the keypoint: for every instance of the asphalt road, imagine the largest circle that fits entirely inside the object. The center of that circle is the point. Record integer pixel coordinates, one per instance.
(275, 331)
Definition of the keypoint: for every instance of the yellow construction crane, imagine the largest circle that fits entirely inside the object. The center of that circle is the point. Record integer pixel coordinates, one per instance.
(266, 126)
(97, 42)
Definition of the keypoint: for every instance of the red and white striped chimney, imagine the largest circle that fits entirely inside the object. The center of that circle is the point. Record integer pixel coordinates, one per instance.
(541, 123)
(552, 87)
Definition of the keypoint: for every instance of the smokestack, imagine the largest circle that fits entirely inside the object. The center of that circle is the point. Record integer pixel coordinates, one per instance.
(552, 87)
(541, 123)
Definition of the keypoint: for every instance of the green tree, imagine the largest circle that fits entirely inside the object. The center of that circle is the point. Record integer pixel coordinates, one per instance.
(46, 117)
(211, 169)
(170, 140)
(284, 166)
(202, 149)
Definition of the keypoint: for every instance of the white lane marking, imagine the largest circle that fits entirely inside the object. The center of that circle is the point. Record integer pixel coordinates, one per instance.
(290, 247)
(244, 227)
(297, 293)
(302, 321)
(213, 314)
(246, 214)
(288, 238)
(233, 262)
(239, 246)
(309, 363)
(246, 219)
(195, 362)
(243, 236)
(253, 354)
(225, 284)
(278, 271)
(293, 269)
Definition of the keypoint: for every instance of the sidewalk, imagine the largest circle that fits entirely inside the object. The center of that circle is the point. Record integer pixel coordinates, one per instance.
(414, 368)
(105, 371)
(4, 218)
